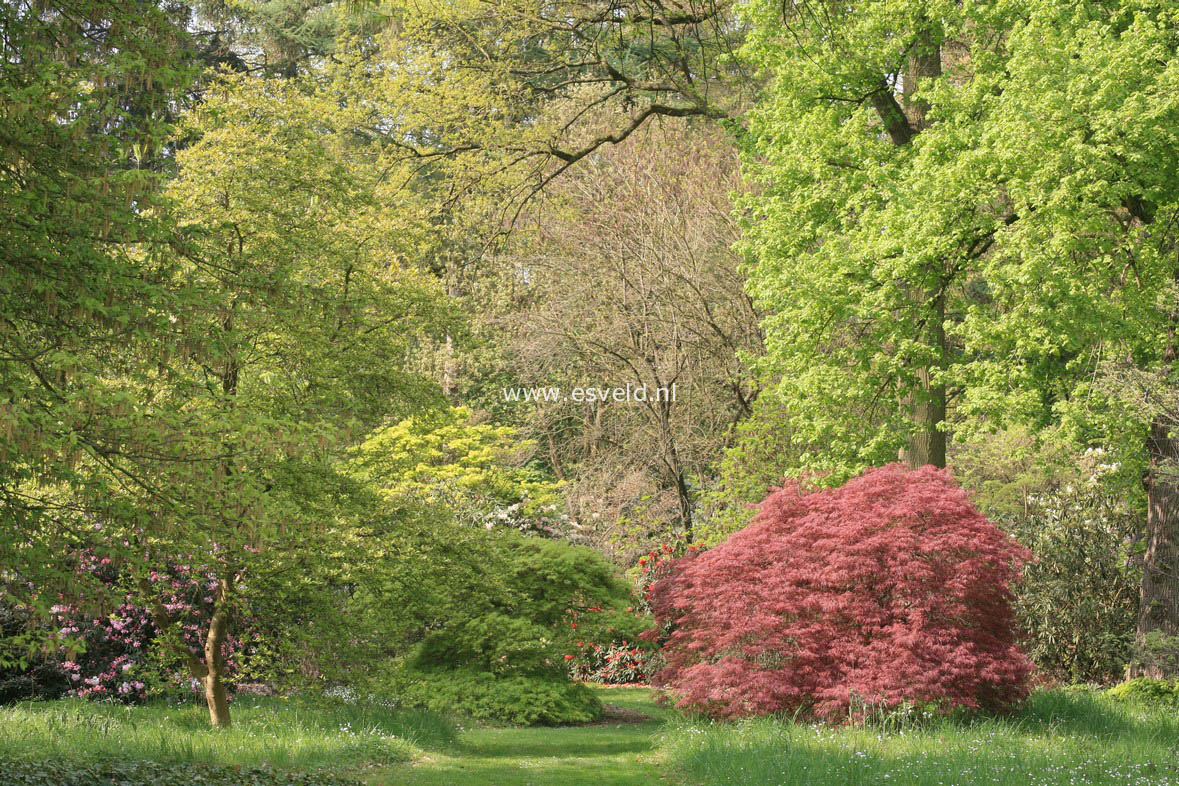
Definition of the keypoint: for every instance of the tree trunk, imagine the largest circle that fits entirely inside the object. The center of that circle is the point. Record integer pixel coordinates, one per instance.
(211, 671)
(684, 499)
(1158, 611)
(214, 678)
(925, 63)
(927, 445)
(452, 291)
(675, 468)
(554, 457)
(217, 699)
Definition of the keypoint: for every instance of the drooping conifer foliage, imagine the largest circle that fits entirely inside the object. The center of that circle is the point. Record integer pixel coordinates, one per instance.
(890, 589)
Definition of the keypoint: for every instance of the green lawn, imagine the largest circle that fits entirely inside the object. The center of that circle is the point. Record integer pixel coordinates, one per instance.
(301, 734)
(614, 753)
(1059, 738)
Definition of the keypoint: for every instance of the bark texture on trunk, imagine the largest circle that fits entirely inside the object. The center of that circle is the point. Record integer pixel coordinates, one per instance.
(210, 672)
(214, 677)
(217, 699)
(903, 121)
(927, 445)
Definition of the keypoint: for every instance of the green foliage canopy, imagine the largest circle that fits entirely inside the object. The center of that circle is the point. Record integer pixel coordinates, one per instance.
(477, 470)
(1026, 217)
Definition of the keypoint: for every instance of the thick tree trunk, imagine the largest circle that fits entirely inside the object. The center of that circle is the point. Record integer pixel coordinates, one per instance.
(927, 445)
(902, 122)
(214, 678)
(217, 698)
(925, 63)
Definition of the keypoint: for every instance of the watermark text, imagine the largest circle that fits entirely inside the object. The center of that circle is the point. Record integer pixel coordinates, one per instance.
(591, 394)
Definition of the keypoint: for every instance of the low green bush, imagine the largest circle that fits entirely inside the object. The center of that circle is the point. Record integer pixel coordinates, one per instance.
(1078, 602)
(146, 773)
(524, 700)
(25, 675)
(494, 642)
(1147, 691)
(505, 655)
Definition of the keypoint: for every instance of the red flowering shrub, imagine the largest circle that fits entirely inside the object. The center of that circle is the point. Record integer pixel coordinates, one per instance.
(608, 649)
(625, 655)
(622, 654)
(621, 663)
(889, 590)
(116, 652)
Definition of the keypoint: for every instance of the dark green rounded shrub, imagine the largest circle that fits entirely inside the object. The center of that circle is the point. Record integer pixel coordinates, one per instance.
(526, 700)
(1078, 602)
(504, 656)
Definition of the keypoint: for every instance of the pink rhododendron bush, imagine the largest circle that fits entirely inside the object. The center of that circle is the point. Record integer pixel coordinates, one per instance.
(891, 589)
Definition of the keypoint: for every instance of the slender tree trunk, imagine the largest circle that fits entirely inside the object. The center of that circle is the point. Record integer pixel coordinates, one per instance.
(675, 469)
(214, 678)
(684, 498)
(210, 672)
(554, 457)
(452, 291)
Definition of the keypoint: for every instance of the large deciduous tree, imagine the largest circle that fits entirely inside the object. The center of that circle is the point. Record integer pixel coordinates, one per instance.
(1083, 142)
(858, 282)
(206, 424)
(306, 309)
(967, 207)
(504, 96)
(87, 90)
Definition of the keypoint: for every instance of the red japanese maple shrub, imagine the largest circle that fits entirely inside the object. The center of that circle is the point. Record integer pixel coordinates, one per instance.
(890, 589)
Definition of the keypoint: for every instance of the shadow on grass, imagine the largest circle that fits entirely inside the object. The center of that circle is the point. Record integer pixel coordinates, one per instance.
(608, 754)
(557, 742)
(536, 767)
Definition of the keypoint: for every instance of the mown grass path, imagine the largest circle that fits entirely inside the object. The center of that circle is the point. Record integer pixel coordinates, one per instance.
(617, 752)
